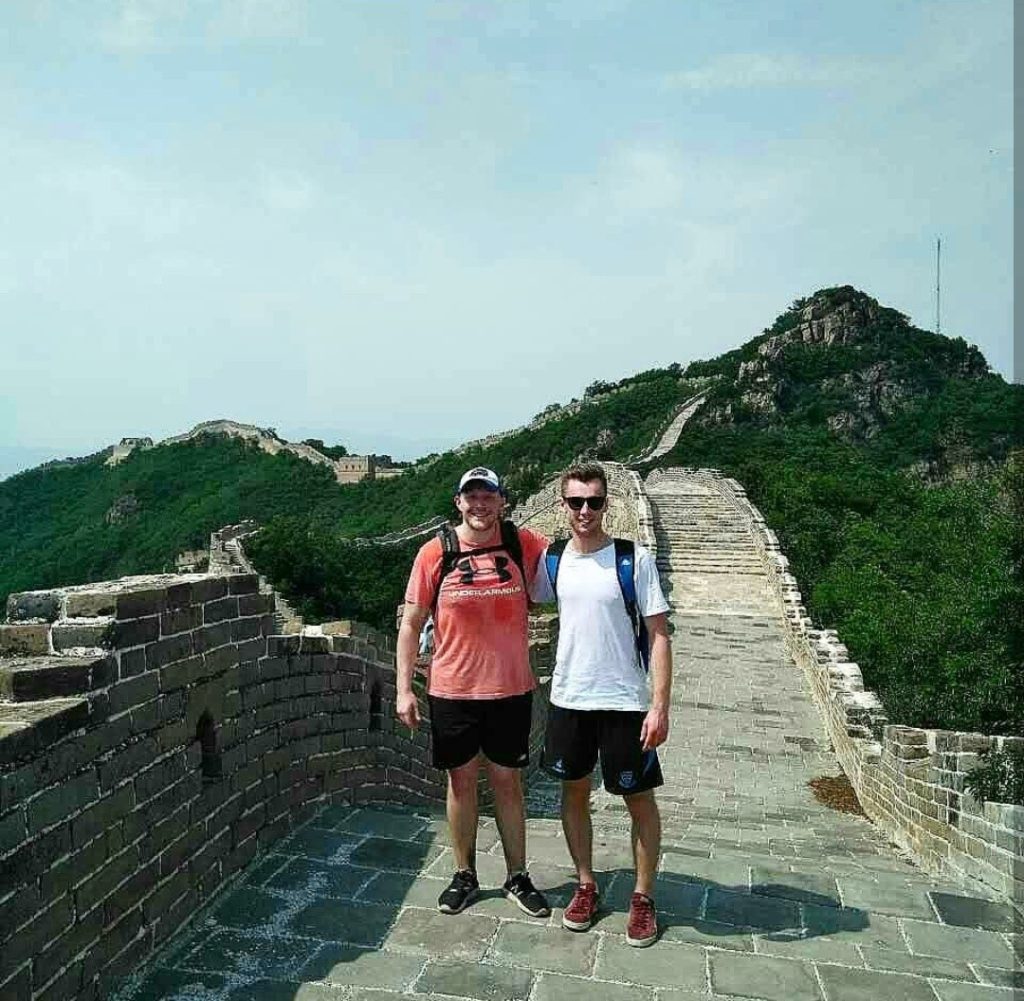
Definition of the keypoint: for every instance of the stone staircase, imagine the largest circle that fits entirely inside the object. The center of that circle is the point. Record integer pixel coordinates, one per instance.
(764, 893)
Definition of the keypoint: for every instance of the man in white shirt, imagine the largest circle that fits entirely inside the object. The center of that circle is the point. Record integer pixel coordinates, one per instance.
(612, 622)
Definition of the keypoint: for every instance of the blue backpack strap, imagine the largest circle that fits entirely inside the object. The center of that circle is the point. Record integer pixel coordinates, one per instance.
(625, 571)
(552, 559)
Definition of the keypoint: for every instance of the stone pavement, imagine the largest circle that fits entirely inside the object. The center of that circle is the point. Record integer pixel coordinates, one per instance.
(763, 893)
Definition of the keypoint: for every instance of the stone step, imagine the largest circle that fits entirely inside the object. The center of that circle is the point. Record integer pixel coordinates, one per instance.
(27, 679)
(28, 728)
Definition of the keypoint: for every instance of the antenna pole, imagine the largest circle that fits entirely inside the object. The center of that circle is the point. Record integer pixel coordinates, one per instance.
(938, 285)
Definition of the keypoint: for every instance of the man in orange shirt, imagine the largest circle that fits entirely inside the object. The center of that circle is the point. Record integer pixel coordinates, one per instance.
(481, 687)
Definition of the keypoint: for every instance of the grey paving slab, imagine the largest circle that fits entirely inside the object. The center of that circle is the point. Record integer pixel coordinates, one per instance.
(925, 966)
(968, 945)
(303, 875)
(665, 964)
(950, 991)
(971, 912)
(843, 984)
(345, 964)
(343, 921)
(285, 990)
(763, 977)
(821, 948)
(761, 888)
(519, 944)
(479, 981)
(429, 933)
(551, 987)
(233, 953)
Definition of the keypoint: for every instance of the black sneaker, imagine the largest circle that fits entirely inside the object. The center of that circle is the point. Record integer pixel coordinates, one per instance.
(462, 891)
(520, 889)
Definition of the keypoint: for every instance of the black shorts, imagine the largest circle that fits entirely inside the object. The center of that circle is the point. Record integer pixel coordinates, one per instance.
(500, 728)
(575, 737)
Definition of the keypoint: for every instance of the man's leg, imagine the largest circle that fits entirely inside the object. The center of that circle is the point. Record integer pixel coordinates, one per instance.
(509, 813)
(462, 812)
(577, 827)
(646, 836)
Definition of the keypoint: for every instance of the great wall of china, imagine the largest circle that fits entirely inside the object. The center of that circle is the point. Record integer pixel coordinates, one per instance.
(163, 741)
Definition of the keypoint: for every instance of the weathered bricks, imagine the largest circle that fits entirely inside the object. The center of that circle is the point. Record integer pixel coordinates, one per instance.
(116, 822)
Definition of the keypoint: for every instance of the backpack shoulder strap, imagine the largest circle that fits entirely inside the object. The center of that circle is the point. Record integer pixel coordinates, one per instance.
(625, 571)
(513, 545)
(552, 560)
(449, 540)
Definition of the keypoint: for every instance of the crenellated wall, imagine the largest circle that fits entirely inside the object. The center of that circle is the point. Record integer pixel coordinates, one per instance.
(155, 735)
(910, 781)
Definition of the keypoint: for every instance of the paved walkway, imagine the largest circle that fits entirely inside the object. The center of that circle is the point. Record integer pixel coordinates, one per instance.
(763, 893)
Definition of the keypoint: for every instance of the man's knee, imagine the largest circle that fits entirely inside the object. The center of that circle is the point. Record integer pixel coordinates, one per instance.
(642, 805)
(576, 790)
(462, 780)
(505, 781)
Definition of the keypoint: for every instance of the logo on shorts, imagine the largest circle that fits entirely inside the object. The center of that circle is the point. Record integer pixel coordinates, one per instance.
(558, 766)
(627, 780)
(523, 756)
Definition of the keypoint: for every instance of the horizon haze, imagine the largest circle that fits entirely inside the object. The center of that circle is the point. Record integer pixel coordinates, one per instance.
(403, 226)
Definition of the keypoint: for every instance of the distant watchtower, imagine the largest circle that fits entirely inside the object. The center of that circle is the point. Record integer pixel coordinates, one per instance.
(355, 468)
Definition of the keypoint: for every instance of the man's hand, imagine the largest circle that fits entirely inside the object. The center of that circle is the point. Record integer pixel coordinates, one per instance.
(654, 731)
(408, 709)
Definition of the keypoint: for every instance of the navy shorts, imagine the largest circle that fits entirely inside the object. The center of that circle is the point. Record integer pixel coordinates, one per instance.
(460, 728)
(576, 738)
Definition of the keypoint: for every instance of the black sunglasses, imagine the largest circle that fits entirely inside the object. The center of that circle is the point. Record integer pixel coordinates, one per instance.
(594, 503)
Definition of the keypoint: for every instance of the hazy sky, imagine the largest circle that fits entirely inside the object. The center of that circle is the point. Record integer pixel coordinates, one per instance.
(404, 224)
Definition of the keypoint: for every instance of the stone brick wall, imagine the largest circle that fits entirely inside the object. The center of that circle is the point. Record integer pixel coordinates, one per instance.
(155, 736)
(910, 781)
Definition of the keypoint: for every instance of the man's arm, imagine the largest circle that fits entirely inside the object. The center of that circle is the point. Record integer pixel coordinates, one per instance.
(655, 726)
(413, 619)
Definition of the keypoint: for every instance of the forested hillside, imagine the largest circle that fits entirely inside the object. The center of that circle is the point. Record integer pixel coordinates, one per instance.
(72, 523)
(883, 455)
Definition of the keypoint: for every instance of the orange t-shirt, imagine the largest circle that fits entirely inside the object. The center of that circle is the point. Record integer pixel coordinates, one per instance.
(481, 622)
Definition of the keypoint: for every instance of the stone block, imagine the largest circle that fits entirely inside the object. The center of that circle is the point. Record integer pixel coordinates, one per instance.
(76, 939)
(211, 636)
(168, 650)
(133, 692)
(220, 609)
(62, 801)
(141, 603)
(27, 605)
(84, 604)
(26, 943)
(67, 634)
(135, 632)
(26, 679)
(245, 583)
(24, 639)
(181, 620)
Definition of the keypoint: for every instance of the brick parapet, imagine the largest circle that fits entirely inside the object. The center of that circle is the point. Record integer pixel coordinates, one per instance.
(137, 777)
(910, 781)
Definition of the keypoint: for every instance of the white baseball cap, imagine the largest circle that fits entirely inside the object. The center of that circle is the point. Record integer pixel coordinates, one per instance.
(486, 478)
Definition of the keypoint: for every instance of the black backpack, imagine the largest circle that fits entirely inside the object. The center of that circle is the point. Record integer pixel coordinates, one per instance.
(450, 552)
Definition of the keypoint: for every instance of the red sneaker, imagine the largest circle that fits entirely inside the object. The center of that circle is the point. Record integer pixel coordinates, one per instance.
(582, 909)
(642, 926)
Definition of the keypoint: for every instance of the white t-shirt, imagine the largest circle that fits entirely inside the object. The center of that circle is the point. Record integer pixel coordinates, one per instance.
(596, 666)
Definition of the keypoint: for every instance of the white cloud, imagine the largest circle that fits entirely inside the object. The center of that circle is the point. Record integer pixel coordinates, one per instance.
(291, 192)
(635, 183)
(745, 70)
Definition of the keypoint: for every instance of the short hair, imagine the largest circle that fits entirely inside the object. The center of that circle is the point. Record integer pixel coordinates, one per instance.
(585, 472)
